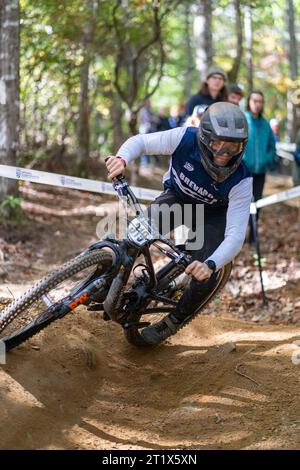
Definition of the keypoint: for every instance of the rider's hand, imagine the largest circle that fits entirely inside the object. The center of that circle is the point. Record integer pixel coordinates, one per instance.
(200, 271)
(115, 166)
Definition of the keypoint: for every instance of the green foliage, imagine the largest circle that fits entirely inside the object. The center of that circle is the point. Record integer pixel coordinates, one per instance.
(11, 210)
(52, 51)
(263, 261)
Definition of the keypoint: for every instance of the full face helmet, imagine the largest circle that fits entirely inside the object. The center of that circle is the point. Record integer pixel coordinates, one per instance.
(223, 129)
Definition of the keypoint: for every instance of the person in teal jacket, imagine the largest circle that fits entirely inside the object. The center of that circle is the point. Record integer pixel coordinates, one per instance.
(260, 150)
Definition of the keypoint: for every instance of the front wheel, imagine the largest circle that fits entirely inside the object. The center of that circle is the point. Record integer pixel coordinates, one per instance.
(134, 336)
(27, 315)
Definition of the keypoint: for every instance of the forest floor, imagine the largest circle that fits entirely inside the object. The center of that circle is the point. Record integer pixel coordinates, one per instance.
(226, 381)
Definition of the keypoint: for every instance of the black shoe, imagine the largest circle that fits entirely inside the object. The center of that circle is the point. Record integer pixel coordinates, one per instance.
(168, 326)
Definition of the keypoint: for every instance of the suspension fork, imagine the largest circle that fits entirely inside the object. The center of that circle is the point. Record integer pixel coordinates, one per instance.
(84, 292)
(112, 303)
(86, 295)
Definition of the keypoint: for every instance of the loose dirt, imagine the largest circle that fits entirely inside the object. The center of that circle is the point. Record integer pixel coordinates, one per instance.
(220, 383)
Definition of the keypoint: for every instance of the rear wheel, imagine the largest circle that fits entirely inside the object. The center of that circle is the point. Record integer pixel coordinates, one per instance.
(27, 315)
(134, 336)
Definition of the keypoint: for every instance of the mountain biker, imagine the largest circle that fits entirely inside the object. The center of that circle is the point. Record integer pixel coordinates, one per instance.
(206, 168)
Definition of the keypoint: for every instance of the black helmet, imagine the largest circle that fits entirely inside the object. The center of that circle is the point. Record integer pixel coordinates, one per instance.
(225, 122)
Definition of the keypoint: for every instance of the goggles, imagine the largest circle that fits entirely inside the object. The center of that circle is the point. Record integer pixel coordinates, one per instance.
(221, 147)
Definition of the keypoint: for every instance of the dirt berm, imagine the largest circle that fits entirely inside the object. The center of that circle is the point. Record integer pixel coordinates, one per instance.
(218, 384)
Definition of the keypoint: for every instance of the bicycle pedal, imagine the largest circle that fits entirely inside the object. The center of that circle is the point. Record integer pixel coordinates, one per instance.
(95, 307)
(142, 324)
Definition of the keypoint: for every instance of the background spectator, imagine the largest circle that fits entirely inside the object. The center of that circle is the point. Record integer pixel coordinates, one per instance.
(260, 150)
(163, 122)
(177, 115)
(235, 94)
(148, 124)
(212, 90)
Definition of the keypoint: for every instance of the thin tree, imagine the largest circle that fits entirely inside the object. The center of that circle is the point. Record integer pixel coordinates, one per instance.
(249, 46)
(9, 90)
(83, 127)
(233, 73)
(203, 36)
(188, 74)
(293, 69)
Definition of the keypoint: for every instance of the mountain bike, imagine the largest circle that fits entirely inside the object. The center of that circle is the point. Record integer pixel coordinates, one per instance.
(104, 278)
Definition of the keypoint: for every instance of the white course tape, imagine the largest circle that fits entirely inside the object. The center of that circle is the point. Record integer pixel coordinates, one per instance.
(286, 147)
(274, 198)
(284, 154)
(64, 181)
(285, 150)
(83, 184)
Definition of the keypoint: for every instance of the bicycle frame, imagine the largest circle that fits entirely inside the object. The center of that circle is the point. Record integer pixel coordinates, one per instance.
(140, 236)
(107, 287)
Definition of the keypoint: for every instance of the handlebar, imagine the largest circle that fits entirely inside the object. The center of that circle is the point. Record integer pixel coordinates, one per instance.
(120, 178)
(123, 189)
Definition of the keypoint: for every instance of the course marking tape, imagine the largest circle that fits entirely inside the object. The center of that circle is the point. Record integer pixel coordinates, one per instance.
(83, 184)
(279, 197)
(72, 182)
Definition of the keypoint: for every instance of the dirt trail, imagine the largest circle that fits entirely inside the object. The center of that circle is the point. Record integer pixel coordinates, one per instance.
(79, 384)
(87, 388)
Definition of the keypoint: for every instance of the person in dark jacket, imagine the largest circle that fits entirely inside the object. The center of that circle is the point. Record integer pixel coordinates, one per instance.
(148, 123)
(163, 122)
(177, 115)
(212, 90)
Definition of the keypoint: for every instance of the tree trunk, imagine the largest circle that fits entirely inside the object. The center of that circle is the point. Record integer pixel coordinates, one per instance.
(233, 73)
(133, 130)
(293, 69)
(188, 76)
(84, 120)
(116, 112)
(84, 105)
(249, 41)
(203, 36)
(9, 90)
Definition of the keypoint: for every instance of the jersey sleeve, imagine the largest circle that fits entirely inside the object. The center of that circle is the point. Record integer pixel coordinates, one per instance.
(236, 223)
(156, 143)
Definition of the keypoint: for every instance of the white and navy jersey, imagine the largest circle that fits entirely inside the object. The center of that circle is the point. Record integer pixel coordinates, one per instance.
(191, 181)
(187, 176)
